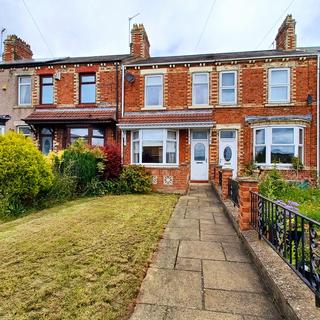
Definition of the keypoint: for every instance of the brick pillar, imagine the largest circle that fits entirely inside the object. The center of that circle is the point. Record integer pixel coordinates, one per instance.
(245, 186)
(226, 175)
(217, 168)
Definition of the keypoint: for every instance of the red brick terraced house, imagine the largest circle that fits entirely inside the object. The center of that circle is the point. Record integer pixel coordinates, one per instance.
(183, 115)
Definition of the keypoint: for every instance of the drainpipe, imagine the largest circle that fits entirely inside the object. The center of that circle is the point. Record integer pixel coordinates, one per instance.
(318, 114)
(117, 90)
(122, 108)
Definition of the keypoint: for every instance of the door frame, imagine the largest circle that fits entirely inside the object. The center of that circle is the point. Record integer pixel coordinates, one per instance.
(207, 144)
(235, 172)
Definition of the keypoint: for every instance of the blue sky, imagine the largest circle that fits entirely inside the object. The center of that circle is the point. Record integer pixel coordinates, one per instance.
(82, 27)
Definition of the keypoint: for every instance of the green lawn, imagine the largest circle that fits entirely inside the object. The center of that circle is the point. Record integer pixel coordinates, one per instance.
(81, 260)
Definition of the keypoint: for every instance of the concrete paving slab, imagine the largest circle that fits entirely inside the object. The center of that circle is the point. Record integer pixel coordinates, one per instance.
(174, 288)
(218, 229)
(271, 317)
(183, 223)
(165, 258)
(239, 303)
(235, 252)
(219, 238)
(189, 314)
(201, 250)
(168, 243)
(227, 275)
(188, 264)
(148, 312)
(181, 233)
(198, 214)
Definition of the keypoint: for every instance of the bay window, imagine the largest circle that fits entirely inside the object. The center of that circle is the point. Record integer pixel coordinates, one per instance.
(278, 145)
(279, 85)
(154, 146)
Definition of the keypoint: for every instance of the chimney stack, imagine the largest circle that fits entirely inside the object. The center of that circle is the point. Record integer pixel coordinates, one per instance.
(16, 49)
(286, 37)
(139, 46)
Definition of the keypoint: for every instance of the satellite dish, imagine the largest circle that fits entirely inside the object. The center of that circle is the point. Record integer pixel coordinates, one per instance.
(129, 77)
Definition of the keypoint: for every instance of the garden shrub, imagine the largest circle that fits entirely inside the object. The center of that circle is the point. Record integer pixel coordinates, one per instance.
(137, 179)
(24, 172)
(84, 163)
(112, 161)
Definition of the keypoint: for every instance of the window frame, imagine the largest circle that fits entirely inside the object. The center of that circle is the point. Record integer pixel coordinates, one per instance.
(193, 88)
(24, 126)
(2, 129)
(84, 83)
(46, 84)
(268, 143)
(19, 90)
(145, 91)
(164, 146)
(270, 86)
(90, 133)
(234, 87)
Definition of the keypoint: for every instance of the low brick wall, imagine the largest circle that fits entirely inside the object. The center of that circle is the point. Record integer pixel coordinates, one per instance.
(291, 295)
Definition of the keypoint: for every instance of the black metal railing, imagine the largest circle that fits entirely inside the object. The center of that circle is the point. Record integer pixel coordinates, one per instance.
(233, 191)
(295, 237)
(220, 178)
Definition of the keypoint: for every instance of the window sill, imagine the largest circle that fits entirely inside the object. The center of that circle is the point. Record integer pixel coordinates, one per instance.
(279, 166)
(158, 166)
(200, 107)
(277, 104)
(227, 106)
(153, 108)
(23, 107)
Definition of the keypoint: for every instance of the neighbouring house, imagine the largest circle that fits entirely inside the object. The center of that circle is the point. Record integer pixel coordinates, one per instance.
(184, 115)
(179, 116)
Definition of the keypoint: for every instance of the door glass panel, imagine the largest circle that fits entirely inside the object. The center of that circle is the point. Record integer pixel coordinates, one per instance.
(227, 134)
(46, 145)
(199, 152)
(199, 135)
(227, 153)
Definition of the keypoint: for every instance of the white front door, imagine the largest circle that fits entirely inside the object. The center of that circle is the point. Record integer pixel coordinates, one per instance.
(199, 155)
(228, 149)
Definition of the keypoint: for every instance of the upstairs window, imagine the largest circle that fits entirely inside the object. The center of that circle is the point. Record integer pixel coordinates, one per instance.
(200, 89)
(24, 90)
(154, 91)
(87, 88)
(228, 88)
(278, 145)
(154, 146)
(279, 85)
(46, 90)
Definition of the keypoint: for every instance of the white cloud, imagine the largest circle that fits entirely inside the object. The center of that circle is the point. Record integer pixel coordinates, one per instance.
(81, 27)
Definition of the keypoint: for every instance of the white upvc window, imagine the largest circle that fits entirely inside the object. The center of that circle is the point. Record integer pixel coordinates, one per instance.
(278, 145)
(154, 91)
(24, 90)
(154, 147)
(25, 130)
(2, 129)
(200, 89)
(228, 87)
(279, 85)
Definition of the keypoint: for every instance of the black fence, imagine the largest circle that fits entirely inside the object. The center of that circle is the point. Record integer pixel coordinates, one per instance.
(220, 178)
(295, 237)
(233, 191)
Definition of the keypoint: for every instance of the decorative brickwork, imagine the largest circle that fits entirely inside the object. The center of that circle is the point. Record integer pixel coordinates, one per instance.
(16, 49)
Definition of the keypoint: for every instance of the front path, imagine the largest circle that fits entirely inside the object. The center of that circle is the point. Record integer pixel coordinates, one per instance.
(201, 271)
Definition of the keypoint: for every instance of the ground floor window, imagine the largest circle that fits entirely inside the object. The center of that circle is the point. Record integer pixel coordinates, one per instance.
(25, 130)
(2, 127)
(155, 146)
(91, 135)
(278, 144)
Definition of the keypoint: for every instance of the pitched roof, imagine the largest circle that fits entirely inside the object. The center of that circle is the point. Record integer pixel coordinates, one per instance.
(86, 115)
(223, 56)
